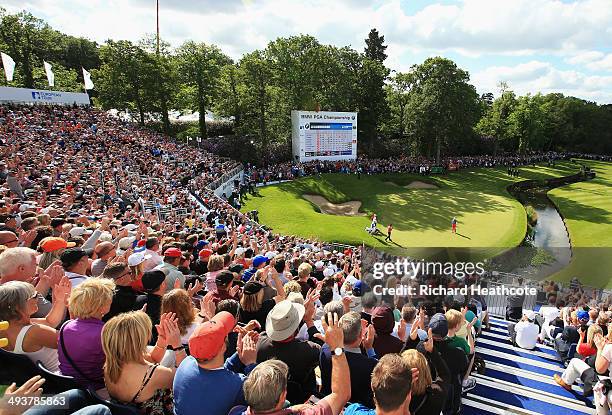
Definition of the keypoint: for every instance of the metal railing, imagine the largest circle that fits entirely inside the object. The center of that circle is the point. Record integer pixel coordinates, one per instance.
(497, 303)
(215, 184)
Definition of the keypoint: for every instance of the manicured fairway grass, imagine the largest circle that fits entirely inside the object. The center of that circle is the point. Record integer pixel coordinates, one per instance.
(587, 210)
(489, 218)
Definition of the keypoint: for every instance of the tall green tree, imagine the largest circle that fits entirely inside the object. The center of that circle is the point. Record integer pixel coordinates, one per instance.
(230, 102)
(259, 93)
(398, 96)
(494, 122)
(162, 82)
(27, 40)
(339, 78)
(525, 123)
(200, 68)
(124, 77)
(444, 107)
(372, 102)
(297, 61)
(375, 46)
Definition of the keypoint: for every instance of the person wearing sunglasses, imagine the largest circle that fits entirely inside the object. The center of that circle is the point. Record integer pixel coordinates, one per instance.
(124, 298)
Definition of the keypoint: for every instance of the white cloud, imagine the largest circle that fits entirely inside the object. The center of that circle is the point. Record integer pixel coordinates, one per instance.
(536, 76)
(603, 64)
(585, 57)
(576, 31)
(500, 26)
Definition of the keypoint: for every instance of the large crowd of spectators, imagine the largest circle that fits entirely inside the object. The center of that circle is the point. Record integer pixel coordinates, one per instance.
(404, 164)
(198, 310)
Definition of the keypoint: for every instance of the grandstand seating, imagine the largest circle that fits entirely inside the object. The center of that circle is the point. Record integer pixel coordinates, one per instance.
(519, 381)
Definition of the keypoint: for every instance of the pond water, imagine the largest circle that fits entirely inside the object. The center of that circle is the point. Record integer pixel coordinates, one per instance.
(549, 231)
(547, 247)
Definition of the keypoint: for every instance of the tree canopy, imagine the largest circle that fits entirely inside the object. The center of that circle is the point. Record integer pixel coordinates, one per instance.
(430, 110)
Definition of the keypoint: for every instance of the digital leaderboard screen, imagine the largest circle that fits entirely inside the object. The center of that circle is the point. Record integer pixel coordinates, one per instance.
(324, 135)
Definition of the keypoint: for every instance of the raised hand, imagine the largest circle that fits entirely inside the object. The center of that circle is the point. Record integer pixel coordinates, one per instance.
(207, 307)
(414, 329)
(31, 388)
(401, 330)
(252, 326)
(53, 274)
(248, 352)
(600, 341)
(105, 223)
(422, 318)
(334, 336)
(162, 335)
(194, 288)
(26, 238)
(346, 304)
(428, 345)
(234, 290)
(368, 337)
(173, 333)
(309, 305)
(61, 291)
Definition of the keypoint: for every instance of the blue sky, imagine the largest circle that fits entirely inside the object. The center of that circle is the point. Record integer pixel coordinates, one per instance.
(533, 45)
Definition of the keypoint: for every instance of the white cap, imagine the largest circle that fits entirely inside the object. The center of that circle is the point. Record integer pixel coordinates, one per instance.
(328, 272)
(270, 254)
(530, 315)
(239, 251)
(319, 265)
(131, 227)
(125, 244)
(79, 231)
(105, 237)
(137, 258)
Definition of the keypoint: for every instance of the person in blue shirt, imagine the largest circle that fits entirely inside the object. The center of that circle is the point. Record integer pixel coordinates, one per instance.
(220, 230)
(391, 384)
(206, 383)
(259, 262)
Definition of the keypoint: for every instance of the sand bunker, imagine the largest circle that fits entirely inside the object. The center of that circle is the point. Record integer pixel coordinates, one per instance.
(343, 209)
(415, 185)
(420, 185)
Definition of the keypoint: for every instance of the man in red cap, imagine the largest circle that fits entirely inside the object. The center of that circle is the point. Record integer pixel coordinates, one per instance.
(172, 259)
(206, 369)
(200, 266)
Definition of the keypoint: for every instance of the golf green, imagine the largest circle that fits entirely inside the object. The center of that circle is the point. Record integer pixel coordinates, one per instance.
(586, 208)
(488, 217)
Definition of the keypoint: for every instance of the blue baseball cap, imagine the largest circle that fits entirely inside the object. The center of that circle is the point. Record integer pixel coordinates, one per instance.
(259, 260)
(438, 325)
(582, 315)
(359, 288)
